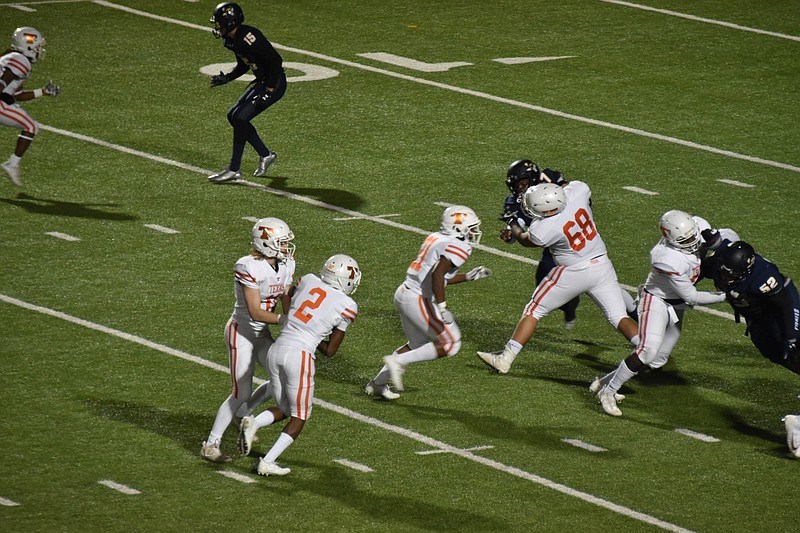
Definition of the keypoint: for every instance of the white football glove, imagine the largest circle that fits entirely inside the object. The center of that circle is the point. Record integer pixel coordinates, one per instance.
(447, 315)
(51, 89)
(478, 273)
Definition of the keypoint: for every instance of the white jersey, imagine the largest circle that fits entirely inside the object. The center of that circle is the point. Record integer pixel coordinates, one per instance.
(724, 233)
(673, 275)
(317, 309)
(20, 66)
(437, 245)
(571, 235)
(257, 273)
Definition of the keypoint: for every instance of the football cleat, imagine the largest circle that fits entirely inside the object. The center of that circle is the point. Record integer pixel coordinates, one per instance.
(225, 176)
(13, 173)
(500, 360)
(247, 431)
(210, 451)
(570, 324)
(380, 391)
(608, 401)
(792, 423)
(395, 371)
(597, 384)
(266, 468)
(264, 163)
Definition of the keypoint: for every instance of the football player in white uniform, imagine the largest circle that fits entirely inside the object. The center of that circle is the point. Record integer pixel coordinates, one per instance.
(562, 220)
(261, 279)
(27, 47)
(321, 307)
(421, 300)
(668, 291)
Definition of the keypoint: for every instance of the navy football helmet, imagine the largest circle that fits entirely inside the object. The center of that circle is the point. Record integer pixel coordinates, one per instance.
(736, 262)
(521, 169)
(226, 17)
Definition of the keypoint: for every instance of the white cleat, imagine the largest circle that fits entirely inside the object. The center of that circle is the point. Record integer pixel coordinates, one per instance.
(396, 371)
(380, 391)
(210, 451)
(500, 360)
(271, 469)
(264, 163)
(596, 385)
(608, 401)
(13, 173)
(570, 324)
(247, 433)
(792, 423)
(225, 176)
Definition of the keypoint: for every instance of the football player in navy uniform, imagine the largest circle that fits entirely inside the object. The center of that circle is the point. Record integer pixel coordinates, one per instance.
(769, 303)
(253, 51)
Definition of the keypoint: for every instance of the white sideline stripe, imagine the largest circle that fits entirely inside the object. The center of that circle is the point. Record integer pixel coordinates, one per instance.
(237, 476)
(323, 205)
(493, 98)
(695, 435)
(443, 204)
(473, 449)
(584, 445)
(8, 503)
(736, 183)
(24, 8)
(640, 190)
(523, 60)
(124, 489)
(62, 236)
(428, 441)
(162, 229)
(354, 465)
(342, 219)
(251, 219)
(701, 19)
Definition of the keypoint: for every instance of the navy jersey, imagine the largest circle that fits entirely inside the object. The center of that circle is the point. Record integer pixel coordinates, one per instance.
(767, 300)
(254, 51)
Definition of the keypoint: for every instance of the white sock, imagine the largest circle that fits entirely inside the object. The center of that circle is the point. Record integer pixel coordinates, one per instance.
(514, 346)
(621, 375)
(278, 448)
(634, 340)
(264, 419)
(14, 160)
(426, 352)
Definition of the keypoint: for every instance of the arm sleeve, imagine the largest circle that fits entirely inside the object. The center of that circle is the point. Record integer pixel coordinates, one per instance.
(240, 68)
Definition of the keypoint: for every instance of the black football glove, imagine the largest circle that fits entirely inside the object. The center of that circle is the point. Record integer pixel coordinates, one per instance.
(261, 98)
(790, 352)
(7, 99)
(712, 239)
(219, 79)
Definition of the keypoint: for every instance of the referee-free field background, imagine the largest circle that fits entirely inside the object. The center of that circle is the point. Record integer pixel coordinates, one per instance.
(113, 361)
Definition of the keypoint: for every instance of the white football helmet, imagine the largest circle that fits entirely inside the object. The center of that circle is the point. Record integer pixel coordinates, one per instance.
(28, 42)
(544, 200)
(272, 238)
(680, 231)
(341, 272)
(462, 222)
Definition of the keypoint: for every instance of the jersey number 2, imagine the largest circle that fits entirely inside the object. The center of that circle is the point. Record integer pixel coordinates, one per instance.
(585, 230)
(310, 304)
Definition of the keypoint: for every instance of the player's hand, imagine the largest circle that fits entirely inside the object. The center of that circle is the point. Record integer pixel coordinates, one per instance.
(478, 273)
(51, 89)
(7, 99)
(711, 239)
(262, 98)
(447, 316)
(219, 79)
(506, 235)
(283, 319)
(790, 352)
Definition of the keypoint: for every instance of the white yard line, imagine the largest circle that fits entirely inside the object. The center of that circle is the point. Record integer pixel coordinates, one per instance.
(119, 487)
(472, 449)
(479, 94)
(8, 503)
(237, 476)
(354, 465)
(640, 190)
(695, 435)
(62, 236)
(701, 19)
(162, 229)
(584, 445)
(736, 183)
(380, 424)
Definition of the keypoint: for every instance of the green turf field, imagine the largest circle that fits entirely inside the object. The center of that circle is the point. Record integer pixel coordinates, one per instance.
(112, 351)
